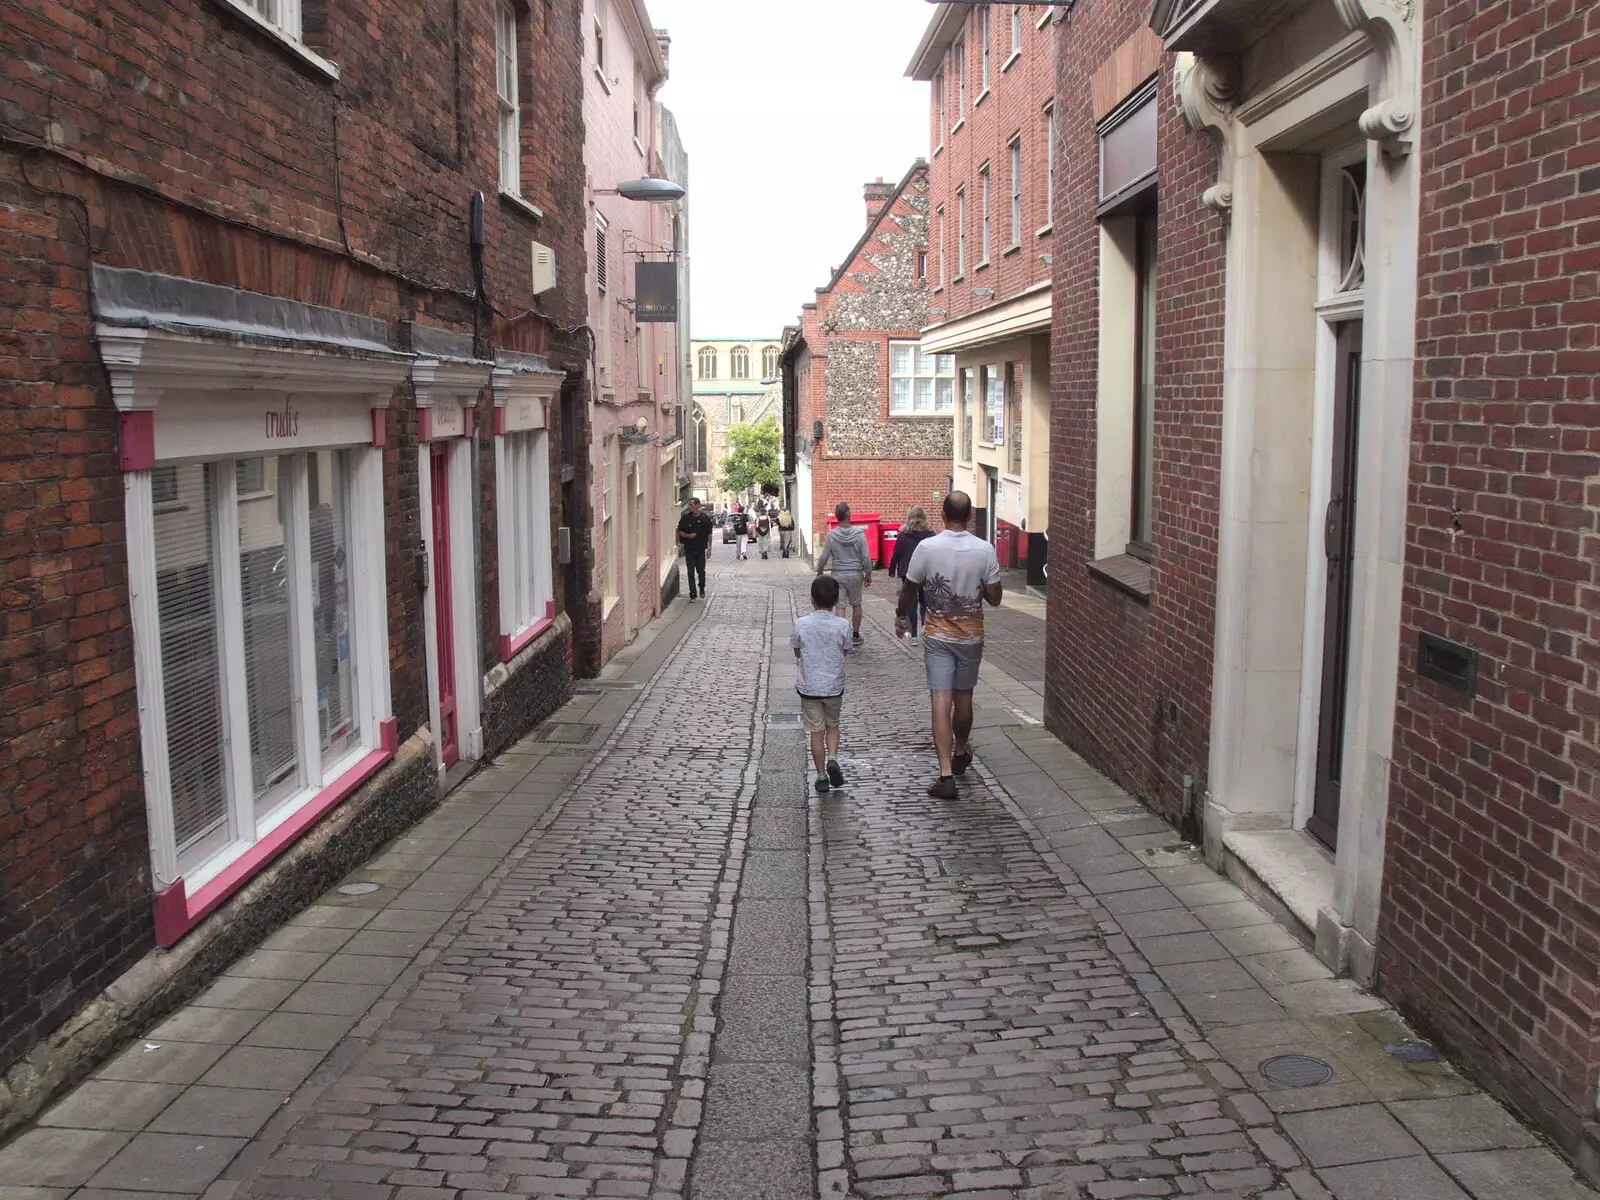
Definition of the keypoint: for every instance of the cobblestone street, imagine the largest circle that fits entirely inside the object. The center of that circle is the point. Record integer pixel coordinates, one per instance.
(637, 956)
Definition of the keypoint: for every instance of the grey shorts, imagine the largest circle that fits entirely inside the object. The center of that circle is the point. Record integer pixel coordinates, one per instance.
(850, 588)
(951, 666)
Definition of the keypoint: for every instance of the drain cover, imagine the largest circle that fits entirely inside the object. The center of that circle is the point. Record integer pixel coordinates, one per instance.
(784, 720)
(1296, 1070)
(575, 733)
(972, 864)
(595, 687)
(1413, 1052)
(357, 889)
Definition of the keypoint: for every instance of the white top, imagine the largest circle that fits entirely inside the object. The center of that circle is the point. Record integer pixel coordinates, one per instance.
(953, 568)
(820, 640)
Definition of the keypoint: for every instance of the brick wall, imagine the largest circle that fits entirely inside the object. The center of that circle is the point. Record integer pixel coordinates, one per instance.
(1491, 907)
(177, 138)
(1129, 680)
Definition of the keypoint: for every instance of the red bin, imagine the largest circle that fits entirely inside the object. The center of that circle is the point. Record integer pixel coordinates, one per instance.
(868, 522)
(888, 535)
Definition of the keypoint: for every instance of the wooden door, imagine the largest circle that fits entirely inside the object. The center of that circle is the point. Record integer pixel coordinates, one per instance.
(1338, 542)
(443, 610)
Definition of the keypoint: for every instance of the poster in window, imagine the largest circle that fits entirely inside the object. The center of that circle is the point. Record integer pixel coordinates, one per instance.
(655, 291)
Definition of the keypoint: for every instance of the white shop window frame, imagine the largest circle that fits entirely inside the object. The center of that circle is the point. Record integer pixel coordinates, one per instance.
(447, 393)
(188, 399)
(522, 495)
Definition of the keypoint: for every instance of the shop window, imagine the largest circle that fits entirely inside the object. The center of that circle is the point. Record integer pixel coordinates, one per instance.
(918, 382)
(255, 595)
(523, 511)
(1014, 416)
(164, 485)
(968, 404)
(994, 407)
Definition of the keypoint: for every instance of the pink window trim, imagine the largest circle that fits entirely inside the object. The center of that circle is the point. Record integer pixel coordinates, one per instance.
(511, 646)
(176, 912)
(380, 427)
(138, 438)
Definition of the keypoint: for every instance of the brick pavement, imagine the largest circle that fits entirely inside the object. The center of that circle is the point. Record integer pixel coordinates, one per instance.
(637, 957)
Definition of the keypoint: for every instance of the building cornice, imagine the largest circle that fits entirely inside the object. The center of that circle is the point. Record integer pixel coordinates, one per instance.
(946, 25)
(1026, 312)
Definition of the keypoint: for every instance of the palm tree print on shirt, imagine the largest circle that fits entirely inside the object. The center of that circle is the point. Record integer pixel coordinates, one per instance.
(953, 617)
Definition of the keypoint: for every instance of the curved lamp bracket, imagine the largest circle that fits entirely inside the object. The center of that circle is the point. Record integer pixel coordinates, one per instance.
(1207, 89)
(1393, 119)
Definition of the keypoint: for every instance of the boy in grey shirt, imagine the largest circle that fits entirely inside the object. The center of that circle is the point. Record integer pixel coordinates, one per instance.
(820, 641)
(846, 548)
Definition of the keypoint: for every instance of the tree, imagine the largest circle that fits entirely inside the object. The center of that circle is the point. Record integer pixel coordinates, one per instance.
(752, 456)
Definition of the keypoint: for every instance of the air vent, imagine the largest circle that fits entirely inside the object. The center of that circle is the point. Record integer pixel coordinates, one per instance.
(1450, 663)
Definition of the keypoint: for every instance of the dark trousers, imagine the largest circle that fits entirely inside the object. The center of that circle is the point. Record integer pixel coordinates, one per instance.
(696, 557)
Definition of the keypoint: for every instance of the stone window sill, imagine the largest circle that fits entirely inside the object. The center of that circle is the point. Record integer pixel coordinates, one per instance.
(294, 46)
(1014, 248)
(1044, 230)
(522, 205)
(983, 95)
(983, 266)
(604, 82)
(1006, 66)
(957, 127)
(1125, 573)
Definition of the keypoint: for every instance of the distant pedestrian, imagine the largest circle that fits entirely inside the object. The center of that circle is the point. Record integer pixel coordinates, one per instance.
(764, 533)
(785, 532)
(694, 532)
(958, 574)
(913, 533)
(820, 640)
(741, 530)
(846, 548)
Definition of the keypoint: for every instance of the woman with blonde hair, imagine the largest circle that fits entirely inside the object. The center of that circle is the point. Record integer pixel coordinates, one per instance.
(912, 534)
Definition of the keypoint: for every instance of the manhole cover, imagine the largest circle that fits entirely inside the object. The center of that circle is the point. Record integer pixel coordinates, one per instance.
(784, 720)
(357, 889)
(596, 687)
(1413, 1052)
(1296, 1070)
(575, 733)
(972, 864)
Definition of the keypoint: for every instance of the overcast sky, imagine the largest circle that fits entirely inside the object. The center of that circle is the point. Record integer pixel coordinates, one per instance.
(786, 108)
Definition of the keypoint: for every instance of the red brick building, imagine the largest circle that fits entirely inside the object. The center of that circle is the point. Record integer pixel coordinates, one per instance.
(285, 399)
(846, 435)
(991, 71)
(1322, 534)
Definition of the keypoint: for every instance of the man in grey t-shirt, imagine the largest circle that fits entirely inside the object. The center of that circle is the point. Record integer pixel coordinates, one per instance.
(846, 548)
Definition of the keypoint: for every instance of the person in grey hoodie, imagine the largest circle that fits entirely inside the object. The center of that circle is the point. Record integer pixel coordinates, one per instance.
(846, 548)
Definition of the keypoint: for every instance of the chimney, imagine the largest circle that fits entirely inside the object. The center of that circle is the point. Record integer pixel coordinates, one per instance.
(877, 193)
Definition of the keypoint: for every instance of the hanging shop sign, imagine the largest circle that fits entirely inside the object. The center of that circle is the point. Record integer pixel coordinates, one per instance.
(655, 291)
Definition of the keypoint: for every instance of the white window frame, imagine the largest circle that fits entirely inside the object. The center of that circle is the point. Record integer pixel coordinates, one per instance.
(992, 429)
(958, 59)
(522, 514)
(702, 356)
(368, 649)
(943, 371)
(1016, 30)
(505, 63)
(985, 33)
(1016, 192)
(941, 217)
(938, 108)
(1049, 166)
(961, 232)
(738, 369)
(281, 15)
(769, 362)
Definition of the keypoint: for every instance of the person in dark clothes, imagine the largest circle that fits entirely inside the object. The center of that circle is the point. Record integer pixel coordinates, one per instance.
(912, 534)
(694, 532)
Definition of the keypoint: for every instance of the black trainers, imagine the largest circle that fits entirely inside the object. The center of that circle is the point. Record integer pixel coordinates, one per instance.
(822, 785)
(943, 788)
(960, 762)
(857, 639)
(835, 775)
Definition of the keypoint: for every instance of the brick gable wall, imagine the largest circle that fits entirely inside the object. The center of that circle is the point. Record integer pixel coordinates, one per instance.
(1491, 903)
(1129, 681)
(177, 138)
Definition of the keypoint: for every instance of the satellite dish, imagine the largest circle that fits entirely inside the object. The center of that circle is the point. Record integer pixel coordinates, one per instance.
(655, 190)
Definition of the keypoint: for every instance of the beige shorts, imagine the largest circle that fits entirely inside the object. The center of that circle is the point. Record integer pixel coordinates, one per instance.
(820, 712)
(850, 589)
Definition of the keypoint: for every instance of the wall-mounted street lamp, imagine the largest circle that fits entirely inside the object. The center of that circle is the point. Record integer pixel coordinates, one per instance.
(649, 189)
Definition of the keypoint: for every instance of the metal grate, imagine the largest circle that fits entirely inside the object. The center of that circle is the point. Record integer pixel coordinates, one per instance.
(972, 864)
(1296, 1070)
(572, 733)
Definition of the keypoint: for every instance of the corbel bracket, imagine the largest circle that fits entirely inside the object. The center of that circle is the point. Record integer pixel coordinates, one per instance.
(1207, 90)
(1393, 119)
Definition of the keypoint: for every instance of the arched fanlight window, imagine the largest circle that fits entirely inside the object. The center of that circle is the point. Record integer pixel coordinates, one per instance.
(700, 439)
(769, 362)
(741, 363)
(708, 362)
